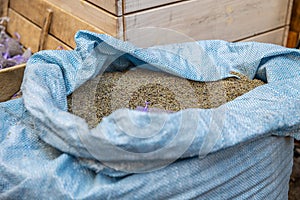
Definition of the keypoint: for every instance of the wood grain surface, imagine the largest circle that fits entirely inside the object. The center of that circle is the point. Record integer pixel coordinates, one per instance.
(228, 20)
(30, 33)
(64, 25)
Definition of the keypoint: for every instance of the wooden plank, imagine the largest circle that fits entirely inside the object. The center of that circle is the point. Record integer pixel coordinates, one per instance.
(3, 8)
(292, 39)
(11, 79)
(136, 5)
(112, 6)
(295, 21)
(64, 25)
(30, 33)
(274, 37)
(89, 13)
(228, 20)
(53, 43)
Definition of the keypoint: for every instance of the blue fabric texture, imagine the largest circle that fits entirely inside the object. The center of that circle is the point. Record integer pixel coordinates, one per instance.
(239, 150)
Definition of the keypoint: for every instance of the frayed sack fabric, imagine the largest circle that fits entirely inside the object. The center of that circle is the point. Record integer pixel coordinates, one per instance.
(239, 150)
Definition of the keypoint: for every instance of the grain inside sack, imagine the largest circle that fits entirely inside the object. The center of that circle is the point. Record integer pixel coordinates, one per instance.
(161, 91)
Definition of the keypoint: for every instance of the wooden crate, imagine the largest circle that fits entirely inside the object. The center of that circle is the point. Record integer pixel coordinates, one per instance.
(46, 24)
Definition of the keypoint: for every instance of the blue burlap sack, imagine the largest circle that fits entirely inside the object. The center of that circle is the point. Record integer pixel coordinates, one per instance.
(240, 150)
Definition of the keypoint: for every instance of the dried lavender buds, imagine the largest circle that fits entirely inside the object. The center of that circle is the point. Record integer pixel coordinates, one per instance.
(11, 51)
(131, 89)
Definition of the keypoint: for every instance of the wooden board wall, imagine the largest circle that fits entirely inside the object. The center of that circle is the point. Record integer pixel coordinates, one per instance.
(30, 33)
(228, 20)
(91, 14)
(64, 25)
(231, 20)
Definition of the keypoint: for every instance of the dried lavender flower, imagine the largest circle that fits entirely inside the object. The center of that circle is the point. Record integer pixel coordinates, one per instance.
(11, 51)
(13, 47)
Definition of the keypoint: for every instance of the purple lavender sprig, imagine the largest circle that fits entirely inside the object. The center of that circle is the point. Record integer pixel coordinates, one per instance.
(11, 51)
(154, 110)
(144, 109)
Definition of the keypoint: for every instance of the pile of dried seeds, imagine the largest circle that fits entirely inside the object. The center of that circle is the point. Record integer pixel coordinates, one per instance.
(130, 89)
